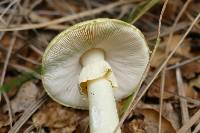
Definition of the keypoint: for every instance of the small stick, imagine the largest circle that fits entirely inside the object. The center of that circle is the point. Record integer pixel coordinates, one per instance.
(183, 63)
(68, 18)
(163, 74)
(189, 123)
(183, 102)
(197, 129)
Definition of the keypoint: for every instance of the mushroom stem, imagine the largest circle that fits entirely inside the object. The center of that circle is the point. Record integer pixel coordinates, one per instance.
(102, 107)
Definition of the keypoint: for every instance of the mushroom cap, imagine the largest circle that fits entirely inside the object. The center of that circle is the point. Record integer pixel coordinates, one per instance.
(125, 50)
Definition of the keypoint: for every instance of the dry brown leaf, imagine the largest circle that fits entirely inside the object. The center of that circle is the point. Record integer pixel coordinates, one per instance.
(134, 126)
(57, 118)
(183, 51)
(4, 120)
(171, 8)
(194, 84)
(168, 113)
(170, 86)
(190, 91)
(151, 120)
(160, 56)
(27, 94)
(190, 70)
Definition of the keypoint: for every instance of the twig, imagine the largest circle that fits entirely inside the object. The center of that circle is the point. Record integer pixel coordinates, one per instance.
(176, 21)
(36, 50)
(162, 87)
(12, 42)
(153, 77)
(196, 102)
(29, 129)
(168, 30)
(89, 6)
(4, 2)
(183, 63)
(68, 18)
(19, 56)
(189, 123)
(3, 77)
(163, 80)
(28, 60)
(7, 8)
(190, 100)
(183, 102)
(169, 42)
(25, 69)
(191, 19)
(197, 129)
(158, 32)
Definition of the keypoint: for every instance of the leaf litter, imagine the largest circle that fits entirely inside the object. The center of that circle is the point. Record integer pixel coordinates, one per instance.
(51, 117)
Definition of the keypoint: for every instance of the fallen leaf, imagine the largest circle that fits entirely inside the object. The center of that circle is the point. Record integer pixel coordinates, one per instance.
(171, 8)
(190, 70)
(168, 113)
(134, 126)
(190, 91)
(151, 120)
(4, 120)
(26, 95)
(194, 88)
(160, 56)
(57, 118)
(183, 50)
(170, 86)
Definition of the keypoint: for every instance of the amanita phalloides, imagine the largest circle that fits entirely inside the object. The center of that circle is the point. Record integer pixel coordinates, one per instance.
(92, 64)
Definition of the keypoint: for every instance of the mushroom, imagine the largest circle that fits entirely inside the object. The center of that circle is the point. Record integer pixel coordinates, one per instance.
(92, 64)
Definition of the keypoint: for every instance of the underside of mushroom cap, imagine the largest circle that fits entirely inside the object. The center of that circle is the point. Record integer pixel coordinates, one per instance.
(125, 50)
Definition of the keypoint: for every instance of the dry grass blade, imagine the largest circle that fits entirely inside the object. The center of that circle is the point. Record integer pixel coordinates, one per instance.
(189, 123)
(191, 19)
(141, 10)
(68, 18)
(7, 8)
(168, 30)
(183, 102)
(190, 100)
(29, 129)
(19, 56)
(175, 23)
(162, 86)
(166, 53)
(154, 50)
(159, 27)
(196, 102)
(153, 77)
(27, 114)
(197, 129)
(183, 63)
(12, 42)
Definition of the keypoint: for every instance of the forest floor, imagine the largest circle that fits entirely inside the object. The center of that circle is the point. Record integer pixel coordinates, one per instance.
(169, 98)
